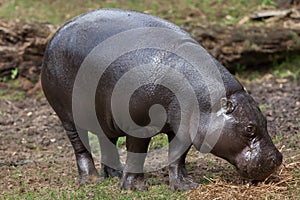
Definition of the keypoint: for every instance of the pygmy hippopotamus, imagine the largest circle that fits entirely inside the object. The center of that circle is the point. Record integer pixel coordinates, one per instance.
(125, 73)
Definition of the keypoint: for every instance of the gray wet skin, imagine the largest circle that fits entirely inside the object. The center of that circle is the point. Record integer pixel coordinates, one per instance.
(244, 141)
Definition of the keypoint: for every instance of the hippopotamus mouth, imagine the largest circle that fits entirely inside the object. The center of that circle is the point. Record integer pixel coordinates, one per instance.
(256, 166)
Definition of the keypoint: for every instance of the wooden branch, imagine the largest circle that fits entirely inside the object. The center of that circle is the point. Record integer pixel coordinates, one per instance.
(270, 13)
(22, 45)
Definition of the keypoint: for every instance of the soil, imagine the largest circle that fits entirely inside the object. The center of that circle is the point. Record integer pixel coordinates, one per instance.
(35, 150)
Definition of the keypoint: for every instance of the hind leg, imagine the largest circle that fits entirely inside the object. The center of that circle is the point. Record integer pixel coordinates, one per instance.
(133, 176)
(110, 159)
(85, 163)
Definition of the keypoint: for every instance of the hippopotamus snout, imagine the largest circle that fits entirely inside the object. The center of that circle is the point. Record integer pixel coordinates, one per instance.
(258, 164)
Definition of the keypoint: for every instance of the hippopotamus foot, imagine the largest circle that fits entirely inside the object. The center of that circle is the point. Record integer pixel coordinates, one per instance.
(85, 163)
(133, 181)
(107, 171)
(178, 178)
(133, 176)
(84, 179)
(178, 175)
(182, 183)
(110, 158)
(86, 169)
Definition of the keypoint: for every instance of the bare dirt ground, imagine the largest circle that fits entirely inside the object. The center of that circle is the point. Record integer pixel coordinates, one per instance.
(35, 151)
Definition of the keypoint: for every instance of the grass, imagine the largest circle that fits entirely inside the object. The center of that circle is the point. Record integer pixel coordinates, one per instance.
(56, 185)
(57, 12)
(106, 190)
(157, 142)
(269, 3)
(289, 68)
(218, 181)
(12, 92)
(294, 140)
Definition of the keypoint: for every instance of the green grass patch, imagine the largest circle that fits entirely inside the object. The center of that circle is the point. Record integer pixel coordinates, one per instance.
(263, 107)
(269, 3)
(294, 141)
(105, 190)
(12, 91)
(278, 138)
(121, 142)
(288, 68)
(177, 11)
(157, 142)
(94, 144)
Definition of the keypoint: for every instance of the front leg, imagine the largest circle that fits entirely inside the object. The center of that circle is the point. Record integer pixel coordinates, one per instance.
(178, 176)
(133, 174)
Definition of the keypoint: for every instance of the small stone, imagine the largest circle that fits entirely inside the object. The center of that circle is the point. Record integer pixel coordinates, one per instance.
(52, 140)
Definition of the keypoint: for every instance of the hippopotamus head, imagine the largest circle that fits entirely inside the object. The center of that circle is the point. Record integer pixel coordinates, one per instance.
(245, 141)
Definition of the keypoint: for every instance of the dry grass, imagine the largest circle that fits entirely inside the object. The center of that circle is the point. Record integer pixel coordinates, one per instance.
(284, 184)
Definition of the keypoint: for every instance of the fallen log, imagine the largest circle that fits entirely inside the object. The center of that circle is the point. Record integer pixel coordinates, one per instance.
(250, 46)
(22, 45)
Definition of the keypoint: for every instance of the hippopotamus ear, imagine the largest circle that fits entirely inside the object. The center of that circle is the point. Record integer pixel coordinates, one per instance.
(227, 105)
